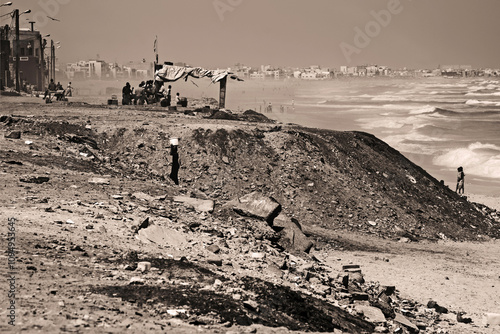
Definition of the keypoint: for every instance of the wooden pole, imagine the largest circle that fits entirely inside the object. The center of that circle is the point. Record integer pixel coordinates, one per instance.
(18, 85)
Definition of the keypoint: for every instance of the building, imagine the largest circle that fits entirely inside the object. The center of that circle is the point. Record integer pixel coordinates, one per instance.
(31, 58)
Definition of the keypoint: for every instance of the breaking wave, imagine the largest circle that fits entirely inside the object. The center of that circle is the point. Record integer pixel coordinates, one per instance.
(478, 159)
(484, 103)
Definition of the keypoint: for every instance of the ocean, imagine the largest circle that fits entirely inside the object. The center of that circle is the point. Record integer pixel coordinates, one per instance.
(438, 123)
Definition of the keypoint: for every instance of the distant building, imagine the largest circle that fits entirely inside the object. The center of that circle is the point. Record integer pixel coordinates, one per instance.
(31, 60)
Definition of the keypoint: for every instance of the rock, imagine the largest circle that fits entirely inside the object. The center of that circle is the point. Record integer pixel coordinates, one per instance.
(258, 256)
(117, 197)
(360, 295)
(257, 205)
(372, 314)
(251, 305)
(215, 260)
(145, 224)
(438, 308)
(225, 160)
(143, 196)
(290, 235)
(13, 135)
(214, 249)
(162, 236)
(357, 277)
(202, 205)
(98, 180)
(136, 281)
(35, 179)
(347, 267)
(461, 318)
(401, 319)
(144, 267)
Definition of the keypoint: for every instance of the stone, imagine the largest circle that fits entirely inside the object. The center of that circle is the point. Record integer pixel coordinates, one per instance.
(251, 305)
(214, 249)
(360, 296)
(202, 205)
(98, 180)
(13, 135)
(35, 179)
(144, 266)
(401, 319)
(215, 260)
(145, 224)
(258, 206)
(438, 308)
(143, 196)
(357, 277)
(162, 236)
(136, 281)
(290, 234)
(371, 313)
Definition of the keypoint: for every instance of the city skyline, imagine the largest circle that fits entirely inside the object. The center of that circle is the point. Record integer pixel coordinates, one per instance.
(291, 33)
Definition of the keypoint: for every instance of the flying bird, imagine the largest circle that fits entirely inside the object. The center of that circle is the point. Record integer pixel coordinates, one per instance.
(53, 19)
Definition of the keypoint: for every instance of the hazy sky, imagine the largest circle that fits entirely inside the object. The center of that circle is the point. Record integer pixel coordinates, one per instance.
(220, 33)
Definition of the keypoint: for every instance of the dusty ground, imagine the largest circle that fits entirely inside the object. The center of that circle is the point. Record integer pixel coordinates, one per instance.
(74, 240)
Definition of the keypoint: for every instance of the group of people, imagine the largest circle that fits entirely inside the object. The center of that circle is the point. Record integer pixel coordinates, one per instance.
(58, 90)
(149, 92)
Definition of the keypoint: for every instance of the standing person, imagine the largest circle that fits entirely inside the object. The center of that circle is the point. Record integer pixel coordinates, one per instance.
(69, 90)
(460, 180)
(177, 99)
(126, 94)
(175, 164)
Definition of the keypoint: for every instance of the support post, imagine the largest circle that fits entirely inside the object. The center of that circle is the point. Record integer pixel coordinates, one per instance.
(222, 93)
(18, 85)
(42, 66)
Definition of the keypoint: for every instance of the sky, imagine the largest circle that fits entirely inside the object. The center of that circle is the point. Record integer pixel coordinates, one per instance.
(295, 33)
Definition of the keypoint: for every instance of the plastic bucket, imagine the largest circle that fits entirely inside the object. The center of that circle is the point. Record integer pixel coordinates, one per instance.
(174, 141)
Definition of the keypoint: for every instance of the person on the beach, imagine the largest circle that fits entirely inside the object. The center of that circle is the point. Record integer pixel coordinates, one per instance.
(460, 180)
(69, 90)
(177, 99)
(50, 88)
(126, 94)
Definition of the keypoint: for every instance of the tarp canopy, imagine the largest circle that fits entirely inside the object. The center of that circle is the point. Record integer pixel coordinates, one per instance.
(174, 73)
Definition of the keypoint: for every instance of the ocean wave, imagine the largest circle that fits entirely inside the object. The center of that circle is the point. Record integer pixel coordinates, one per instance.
(483, 93)
(477, 159)
(389, 98)
(424, 110)
(486, 103)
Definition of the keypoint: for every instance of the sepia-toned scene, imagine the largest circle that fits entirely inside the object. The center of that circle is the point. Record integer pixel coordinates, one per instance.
(250, 166)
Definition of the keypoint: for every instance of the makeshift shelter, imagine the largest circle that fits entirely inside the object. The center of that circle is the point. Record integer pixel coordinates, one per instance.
(169, 73)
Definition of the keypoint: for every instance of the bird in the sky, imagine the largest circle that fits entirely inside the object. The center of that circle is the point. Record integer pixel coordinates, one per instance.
(53, 19)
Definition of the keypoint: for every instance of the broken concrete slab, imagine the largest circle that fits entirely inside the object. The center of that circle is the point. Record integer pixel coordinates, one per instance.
(291, 236)
(202, 205)
(162, 236)
(13, 135)
(143, 196)
(98, 180)
(401, 319)
(371, 313)
(259, 206)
